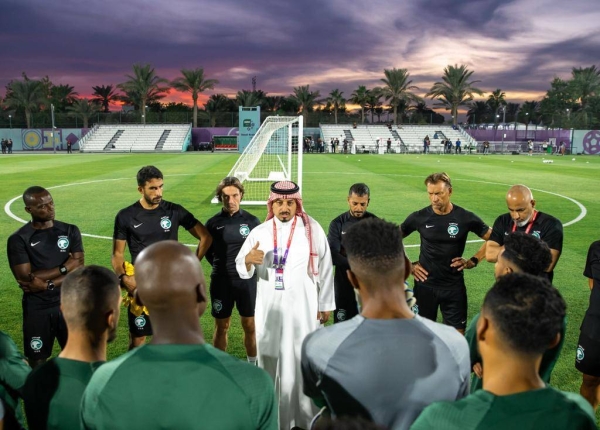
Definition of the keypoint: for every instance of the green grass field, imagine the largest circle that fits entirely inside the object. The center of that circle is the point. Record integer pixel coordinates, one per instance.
(90, 189)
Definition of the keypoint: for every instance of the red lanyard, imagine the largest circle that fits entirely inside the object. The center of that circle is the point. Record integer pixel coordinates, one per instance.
(276, 262)
(529, 224)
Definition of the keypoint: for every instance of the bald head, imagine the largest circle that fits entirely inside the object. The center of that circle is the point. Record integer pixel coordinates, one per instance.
(169, 279)
(520, 203)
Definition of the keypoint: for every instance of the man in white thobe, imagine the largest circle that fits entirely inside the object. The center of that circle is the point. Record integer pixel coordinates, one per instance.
(290, 255)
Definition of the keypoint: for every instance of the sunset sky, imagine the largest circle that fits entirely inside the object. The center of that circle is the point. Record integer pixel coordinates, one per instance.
(515, 45)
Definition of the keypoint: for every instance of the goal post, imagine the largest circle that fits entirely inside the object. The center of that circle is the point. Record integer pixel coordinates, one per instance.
(273, 154)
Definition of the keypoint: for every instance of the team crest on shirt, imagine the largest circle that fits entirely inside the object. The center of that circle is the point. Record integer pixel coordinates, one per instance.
(218, 306)
(341, 315)
(244, 230)
(580, 353)
(165, 223)
(36, 343)
(63, 242)
(453, 229)
(536, 233)
(140, 321)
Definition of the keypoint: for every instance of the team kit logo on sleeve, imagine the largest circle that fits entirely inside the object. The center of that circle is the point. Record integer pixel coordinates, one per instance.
(244, 230)
(36, 343)
(453, 229)
(63, 242)
(140, 321)
(165, 223)
(536, 234)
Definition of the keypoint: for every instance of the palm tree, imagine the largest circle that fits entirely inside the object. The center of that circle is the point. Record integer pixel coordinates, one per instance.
(337, 101)
(193, 82)
(585, 84)
(396, 89)
(247, 98)
(479, 112)
(495, 101)
(62, 96)
(305, 97)
(274, 103)
(142, 86)
(373, 101)
(359, 97)
(104, 96)
(529, 112)
(454, 90)
(215, 104)
(512, 110)
(27, 95)
(84, 109)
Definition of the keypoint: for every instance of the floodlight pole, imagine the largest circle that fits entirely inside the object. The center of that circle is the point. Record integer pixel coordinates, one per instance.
(10, 120)
(53, 128)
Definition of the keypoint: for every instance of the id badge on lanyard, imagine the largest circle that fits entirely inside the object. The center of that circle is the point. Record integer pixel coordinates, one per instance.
(279, 264)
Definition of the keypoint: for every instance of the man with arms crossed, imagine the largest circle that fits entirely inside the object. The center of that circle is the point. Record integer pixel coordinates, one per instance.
(386, 364)
(521, 318)
(438, 273)
(40, 254)
(177, 381)
(149, 220)
(229, 229)
(90, 300)
(522, 216)
(359, 197)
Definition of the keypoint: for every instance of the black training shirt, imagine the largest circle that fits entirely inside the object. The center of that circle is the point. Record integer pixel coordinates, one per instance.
(142, 227)
(443, 237)
(43, 249)
(229, 234)
(591, 322)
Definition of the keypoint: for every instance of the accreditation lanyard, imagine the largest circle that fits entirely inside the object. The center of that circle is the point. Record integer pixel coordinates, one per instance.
(280, 263)
(529, 224)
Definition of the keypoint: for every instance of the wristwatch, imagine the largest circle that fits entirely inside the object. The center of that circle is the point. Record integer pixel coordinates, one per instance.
(50, 285)
(63, 269)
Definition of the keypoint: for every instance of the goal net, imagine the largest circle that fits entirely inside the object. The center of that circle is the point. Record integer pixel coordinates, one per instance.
(273, 154)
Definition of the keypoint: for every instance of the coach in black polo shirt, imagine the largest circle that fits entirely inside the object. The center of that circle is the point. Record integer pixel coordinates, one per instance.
(522, 216)
(444, 228)
(40, 254)
(359, 197)
(229, 229)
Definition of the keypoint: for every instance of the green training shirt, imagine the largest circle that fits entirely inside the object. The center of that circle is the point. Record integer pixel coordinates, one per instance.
(179, 387)
(546, 408)
(53, 392)
(13, 373)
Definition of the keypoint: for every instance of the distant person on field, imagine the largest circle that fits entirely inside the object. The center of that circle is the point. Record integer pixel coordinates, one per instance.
(177, 381)
(386, 364)
(90, 300)
(521, 318)
(458, 149)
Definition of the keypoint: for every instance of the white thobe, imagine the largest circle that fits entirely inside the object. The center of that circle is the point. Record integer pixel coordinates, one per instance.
(285, 317)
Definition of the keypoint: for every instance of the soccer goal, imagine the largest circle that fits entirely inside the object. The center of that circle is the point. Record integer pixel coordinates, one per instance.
(273, 154)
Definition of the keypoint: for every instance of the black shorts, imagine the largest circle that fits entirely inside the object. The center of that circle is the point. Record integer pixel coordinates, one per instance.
(139, 326)
(587, 357)
(226, 291)
(346, 306)
(40, 328)
(452, 303)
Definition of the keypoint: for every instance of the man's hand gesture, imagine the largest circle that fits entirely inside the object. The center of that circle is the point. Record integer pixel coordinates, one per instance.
(255, 256)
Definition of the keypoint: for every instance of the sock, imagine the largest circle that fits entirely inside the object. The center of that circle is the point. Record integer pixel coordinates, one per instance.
(252, 360)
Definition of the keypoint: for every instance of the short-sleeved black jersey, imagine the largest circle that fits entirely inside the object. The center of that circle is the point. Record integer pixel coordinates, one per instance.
(591, 322)
(229, 234)
(545, 227)
(443, 237)
(337, 228)
(142, 227)
(43, 249)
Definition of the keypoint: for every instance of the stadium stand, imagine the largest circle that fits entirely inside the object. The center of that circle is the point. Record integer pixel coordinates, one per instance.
(137, 138)
(405, 138)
